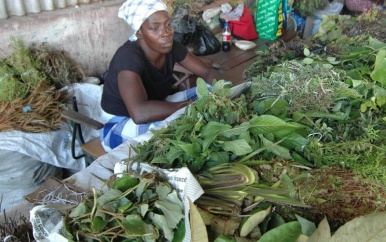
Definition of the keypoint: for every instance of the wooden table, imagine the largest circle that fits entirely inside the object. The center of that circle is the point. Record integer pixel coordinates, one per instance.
(233, 63)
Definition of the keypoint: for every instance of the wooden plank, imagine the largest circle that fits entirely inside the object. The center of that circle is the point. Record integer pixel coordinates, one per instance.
(235, 75)
(94, 148)
(308, 27)
(81, 119)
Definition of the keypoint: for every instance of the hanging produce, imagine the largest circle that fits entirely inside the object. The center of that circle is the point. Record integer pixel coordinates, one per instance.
(308, 7)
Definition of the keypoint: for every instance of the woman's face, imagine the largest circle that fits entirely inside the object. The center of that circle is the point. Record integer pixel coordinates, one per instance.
(157, 31)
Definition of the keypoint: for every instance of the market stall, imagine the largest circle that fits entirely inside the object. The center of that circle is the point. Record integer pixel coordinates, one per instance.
(299, 156)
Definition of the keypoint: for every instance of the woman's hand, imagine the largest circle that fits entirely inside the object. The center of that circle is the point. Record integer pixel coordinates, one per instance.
(201, 68)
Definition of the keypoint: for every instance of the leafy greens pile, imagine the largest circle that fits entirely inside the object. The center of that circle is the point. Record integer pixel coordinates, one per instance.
(134, 208)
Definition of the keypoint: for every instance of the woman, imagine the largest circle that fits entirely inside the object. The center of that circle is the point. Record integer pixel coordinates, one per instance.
(140, 76)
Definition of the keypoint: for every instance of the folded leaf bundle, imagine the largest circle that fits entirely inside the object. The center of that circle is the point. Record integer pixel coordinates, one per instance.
(227, 175)
(219, 206)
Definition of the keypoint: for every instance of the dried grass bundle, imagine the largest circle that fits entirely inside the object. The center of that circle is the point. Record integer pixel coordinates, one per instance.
(29, 82)
(40, 112)
(58, 68)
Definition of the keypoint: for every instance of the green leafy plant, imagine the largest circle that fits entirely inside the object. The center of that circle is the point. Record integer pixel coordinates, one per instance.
(134, 208)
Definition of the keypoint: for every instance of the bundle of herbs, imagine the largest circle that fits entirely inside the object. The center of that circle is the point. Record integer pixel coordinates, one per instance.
(29, 89)
(134, 208)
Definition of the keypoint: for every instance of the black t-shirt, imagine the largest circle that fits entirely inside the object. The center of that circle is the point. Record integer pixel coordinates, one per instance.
(158, 84)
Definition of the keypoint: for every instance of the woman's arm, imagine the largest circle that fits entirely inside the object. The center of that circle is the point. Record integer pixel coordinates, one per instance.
(201, 68)
(141, 109)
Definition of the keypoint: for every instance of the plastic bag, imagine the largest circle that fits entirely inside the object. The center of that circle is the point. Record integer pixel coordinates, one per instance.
(245, 27)
(270, 18)
(202, 41)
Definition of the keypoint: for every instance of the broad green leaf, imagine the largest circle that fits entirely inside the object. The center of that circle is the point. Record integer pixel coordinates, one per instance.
(124, 183)
(371, 227)
(79, 210)
(273, 106)
(379, 72)
(357, 82)
(337, 116)
(172, 212)
(214, 128)
(144, 208)
(306, 52)
(376, 44)
(98, 224)
(207, 142)
(219, 156)
(174, 153)
(308, 61)
(181, 129)
(287, 232)
(125, 207)
(211, 131)
(381, 55)
(192, 150)
(111, 206)
(197, 225)
(253, 221)
(108, 196)
(202, 89)
(270, 124)
(328, 66)
(276, 220)
(276, 149)
(356, 75)
(220, 86)
(161, 222)
(173, 197)
(308, 227)
(135, 226)
(161, 159)
(236, 131)
(163, 190)
(283, 199)
(292, 140)
(238, 147)
(289, 185)
(179, 232)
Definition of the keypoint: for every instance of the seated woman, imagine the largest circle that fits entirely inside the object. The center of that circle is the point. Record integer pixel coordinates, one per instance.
(140, 76)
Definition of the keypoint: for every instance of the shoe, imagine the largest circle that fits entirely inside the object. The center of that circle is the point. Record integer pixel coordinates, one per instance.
(236, 91)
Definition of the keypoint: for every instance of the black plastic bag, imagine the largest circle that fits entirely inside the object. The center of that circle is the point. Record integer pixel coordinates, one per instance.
(202, 41)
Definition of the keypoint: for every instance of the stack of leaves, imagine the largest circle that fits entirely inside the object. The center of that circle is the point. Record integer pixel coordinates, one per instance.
(30, 99)
(217, 130)
(134, 208)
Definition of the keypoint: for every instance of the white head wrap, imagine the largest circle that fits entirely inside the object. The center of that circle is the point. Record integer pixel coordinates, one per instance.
(135, 12)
